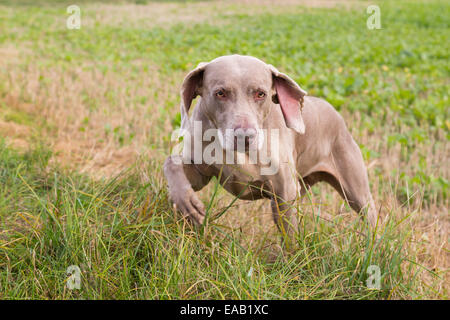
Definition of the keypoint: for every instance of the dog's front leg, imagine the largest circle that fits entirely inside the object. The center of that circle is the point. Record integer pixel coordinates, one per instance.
(183, 180)
(284, 210)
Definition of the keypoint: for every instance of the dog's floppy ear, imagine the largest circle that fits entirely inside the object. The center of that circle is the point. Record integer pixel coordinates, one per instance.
(189, 90)
(289, 96)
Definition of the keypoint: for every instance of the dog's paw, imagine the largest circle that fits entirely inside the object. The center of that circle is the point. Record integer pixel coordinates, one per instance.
(189, 205)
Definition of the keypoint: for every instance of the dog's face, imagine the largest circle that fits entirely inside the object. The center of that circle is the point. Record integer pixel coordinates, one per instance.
(238, 93)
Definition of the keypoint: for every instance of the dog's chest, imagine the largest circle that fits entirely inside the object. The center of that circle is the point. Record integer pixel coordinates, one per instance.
(243, 181)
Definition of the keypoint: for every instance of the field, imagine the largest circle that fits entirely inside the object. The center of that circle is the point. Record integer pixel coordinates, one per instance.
(86, 117)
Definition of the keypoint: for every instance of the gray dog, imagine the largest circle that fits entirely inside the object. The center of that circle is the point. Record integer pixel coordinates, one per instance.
(255, 110)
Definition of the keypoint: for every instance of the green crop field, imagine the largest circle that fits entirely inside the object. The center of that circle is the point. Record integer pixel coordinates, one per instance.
(86, 117)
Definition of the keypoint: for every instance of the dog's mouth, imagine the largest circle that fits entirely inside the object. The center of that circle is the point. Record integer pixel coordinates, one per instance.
(240, 143)
(243, 144)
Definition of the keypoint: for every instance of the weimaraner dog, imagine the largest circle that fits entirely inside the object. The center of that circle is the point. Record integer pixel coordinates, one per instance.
(246, 100)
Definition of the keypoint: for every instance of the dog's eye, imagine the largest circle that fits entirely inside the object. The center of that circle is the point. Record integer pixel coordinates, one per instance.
(220, 94)
(260, 95)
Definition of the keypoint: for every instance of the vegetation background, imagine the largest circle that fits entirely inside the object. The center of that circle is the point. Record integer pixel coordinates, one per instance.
(85, 123)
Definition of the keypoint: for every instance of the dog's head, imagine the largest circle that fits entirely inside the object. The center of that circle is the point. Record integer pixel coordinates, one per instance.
(237, 94)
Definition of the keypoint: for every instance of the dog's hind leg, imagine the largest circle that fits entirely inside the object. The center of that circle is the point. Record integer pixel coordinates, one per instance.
(350, 178)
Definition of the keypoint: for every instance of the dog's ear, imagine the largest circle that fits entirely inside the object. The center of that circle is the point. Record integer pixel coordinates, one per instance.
(189, 90)
(289, 96)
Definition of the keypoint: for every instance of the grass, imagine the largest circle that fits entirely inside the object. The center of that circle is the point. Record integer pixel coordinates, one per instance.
(86, 117)
(125, 238)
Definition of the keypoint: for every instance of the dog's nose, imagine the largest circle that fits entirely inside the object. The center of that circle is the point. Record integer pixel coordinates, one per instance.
(248, 133)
